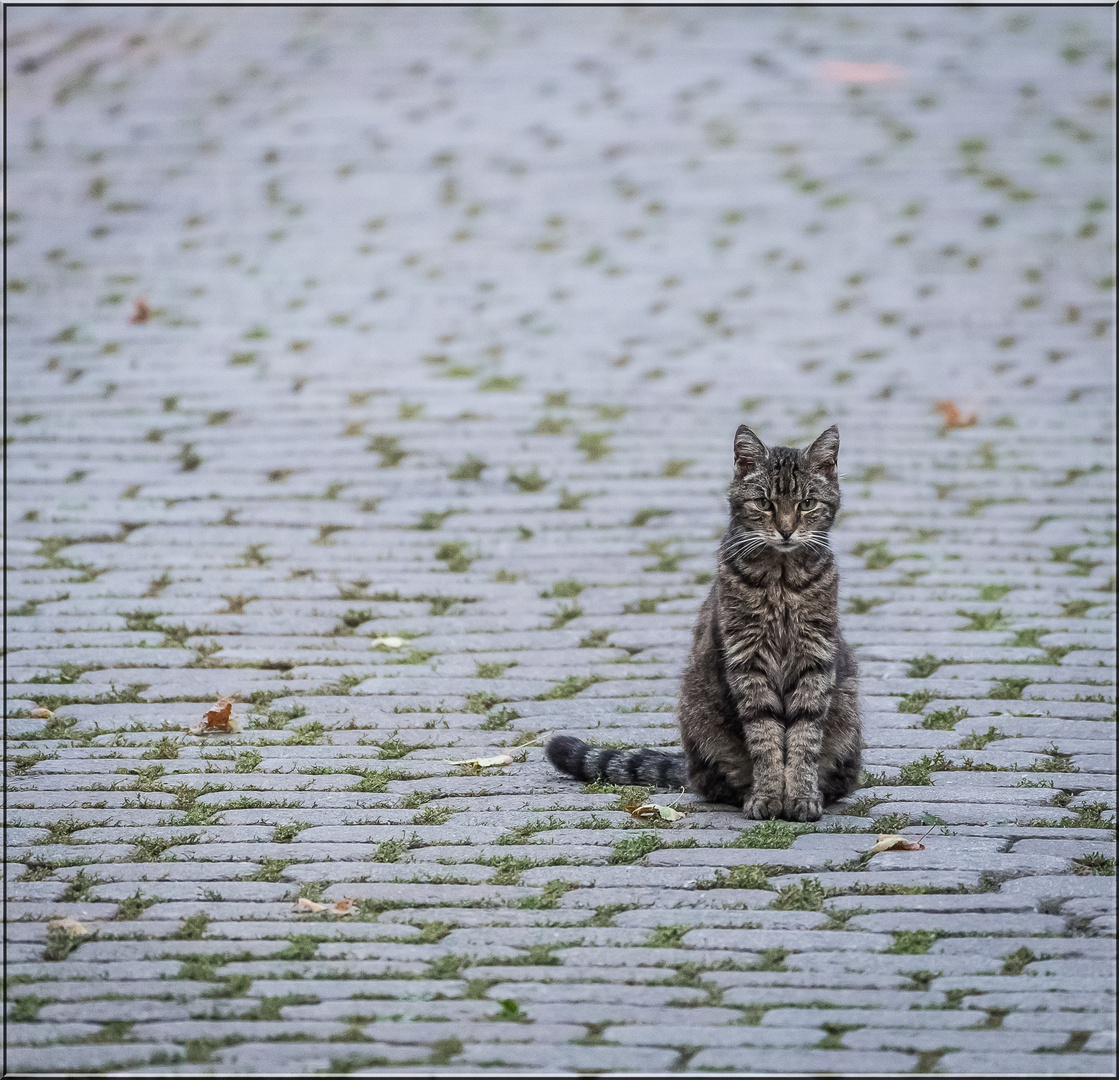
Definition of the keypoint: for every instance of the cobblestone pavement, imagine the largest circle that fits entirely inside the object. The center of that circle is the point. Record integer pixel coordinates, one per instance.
(418, 441)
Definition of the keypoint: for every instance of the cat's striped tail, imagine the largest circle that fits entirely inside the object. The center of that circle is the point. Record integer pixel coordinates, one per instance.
(645, 767)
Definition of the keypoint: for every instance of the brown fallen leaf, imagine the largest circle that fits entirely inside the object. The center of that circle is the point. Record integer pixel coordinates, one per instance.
(486, 762)
(68, 926)
(40, 714)
(141, 312)
(847, 71)
(953, 418)
(654, 810)
(218, 720)
(345, 906)
(893, 842)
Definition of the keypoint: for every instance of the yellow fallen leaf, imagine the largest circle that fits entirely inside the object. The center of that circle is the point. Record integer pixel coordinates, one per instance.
(69, 926)
(40, 714)
(390, 642)
(345, 906)
(654, 810)
(485, 762)
(893, 842)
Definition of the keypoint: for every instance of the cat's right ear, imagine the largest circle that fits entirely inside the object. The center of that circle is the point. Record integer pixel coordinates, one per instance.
(749, 451)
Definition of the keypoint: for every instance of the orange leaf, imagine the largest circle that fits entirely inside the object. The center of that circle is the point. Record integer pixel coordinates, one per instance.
(141, 312)
(953, 418)
(893, 842)
(40, 714)
(345, 906)
(846, 71)
(218, 719)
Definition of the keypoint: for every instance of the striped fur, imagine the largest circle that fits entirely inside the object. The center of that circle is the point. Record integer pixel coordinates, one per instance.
(647, 768)
(769, 704)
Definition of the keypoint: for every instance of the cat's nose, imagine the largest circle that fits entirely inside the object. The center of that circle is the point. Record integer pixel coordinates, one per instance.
(785, 534)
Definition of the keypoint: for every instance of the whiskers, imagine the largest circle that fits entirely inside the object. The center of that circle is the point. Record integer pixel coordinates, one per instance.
(742, 546)
(817, 542)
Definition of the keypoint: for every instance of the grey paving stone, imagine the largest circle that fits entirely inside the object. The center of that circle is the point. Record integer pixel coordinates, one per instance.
(619, 1012)
(1010, 1063)
(45, 1034)
(775, 1061)
(992, 1042)
(591, 992)
(651, 956)
(961, 923)
(1047, 946)
(572, 1058)
(114, 1056)
(976, 902)
(640, 1035)
(776, 939)
(264, 1058)
(827, 996)
(1059, 886)
(1060, 1022)
(101, 1012)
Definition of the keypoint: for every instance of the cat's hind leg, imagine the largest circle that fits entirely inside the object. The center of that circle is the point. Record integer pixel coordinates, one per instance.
(841, 753)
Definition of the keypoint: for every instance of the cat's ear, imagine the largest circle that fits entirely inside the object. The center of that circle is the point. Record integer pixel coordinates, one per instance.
(749, 451)
(823, 454)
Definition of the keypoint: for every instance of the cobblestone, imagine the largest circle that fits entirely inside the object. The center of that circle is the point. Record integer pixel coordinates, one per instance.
(379, 366)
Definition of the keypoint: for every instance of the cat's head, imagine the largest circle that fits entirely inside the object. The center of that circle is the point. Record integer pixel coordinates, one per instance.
(783, 499)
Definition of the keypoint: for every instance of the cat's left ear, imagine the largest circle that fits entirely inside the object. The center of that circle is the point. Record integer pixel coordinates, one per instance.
(823, 454)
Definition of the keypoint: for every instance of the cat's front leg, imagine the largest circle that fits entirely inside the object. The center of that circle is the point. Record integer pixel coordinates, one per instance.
(806, 708)
(758, 707)
(765, 741)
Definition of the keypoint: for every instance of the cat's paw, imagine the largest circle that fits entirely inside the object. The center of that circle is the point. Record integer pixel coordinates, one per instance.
(763, 806)
(806, 808)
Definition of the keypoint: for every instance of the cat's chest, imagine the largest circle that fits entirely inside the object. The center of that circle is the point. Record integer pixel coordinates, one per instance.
(765, 617)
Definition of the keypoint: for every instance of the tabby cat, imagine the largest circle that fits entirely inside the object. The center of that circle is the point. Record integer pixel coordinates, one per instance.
(769, 705)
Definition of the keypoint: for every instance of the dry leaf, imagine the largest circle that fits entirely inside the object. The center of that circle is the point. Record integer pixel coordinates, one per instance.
(485, 762)
(40, 714)
(218, 720)
(345, 906)
(390, 642)
(845, 71)
(141, 312)
(893, 842)
(69, 926)
(953, 418)
(654, 810)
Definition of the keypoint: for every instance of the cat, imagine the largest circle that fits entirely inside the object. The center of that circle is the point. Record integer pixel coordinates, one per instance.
(769, 704)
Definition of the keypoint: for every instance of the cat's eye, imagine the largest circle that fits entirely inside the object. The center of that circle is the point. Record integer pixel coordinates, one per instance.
(763, 504)
(807, 504)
